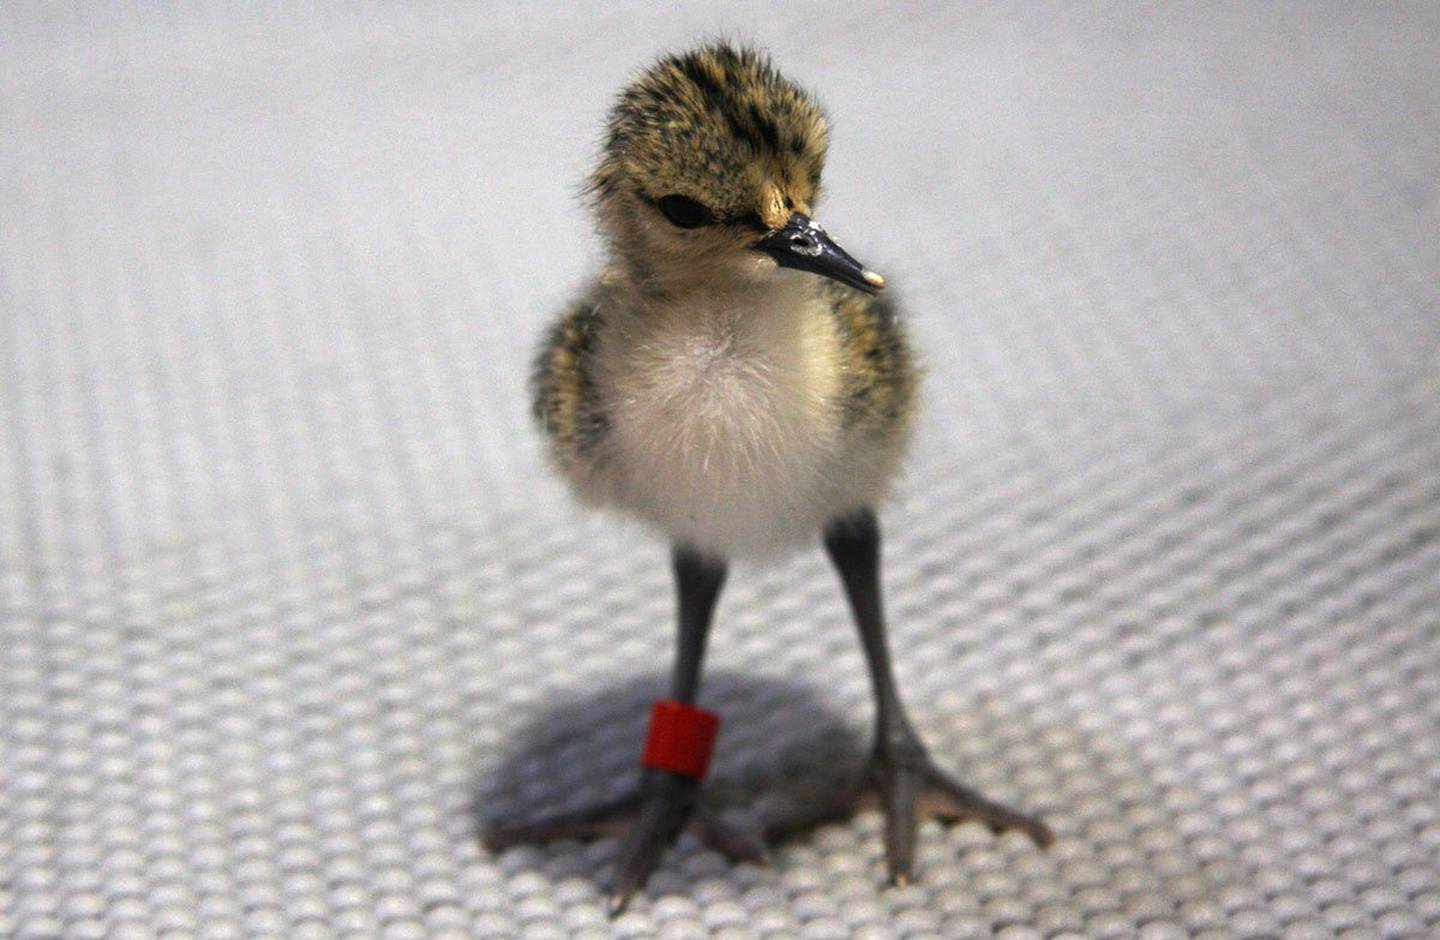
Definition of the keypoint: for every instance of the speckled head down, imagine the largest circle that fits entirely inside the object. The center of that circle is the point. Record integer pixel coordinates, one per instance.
(719, 125)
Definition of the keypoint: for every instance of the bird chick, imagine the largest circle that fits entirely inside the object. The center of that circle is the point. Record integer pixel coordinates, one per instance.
(733, 404)
(733, 379)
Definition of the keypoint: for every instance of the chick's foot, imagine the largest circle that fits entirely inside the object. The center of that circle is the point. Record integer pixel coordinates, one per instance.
(907, 786)
(648, 822)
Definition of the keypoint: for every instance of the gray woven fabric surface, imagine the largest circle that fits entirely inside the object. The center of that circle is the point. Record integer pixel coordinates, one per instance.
(290, 604)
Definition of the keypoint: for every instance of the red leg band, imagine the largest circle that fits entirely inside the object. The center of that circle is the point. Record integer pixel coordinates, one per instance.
(681, 738)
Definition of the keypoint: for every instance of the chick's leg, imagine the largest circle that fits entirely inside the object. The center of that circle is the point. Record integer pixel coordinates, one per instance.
(650, 820)
(902, 777)
(668, 800)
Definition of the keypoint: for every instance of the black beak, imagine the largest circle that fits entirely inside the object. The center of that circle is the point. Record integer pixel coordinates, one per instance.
(803, 244)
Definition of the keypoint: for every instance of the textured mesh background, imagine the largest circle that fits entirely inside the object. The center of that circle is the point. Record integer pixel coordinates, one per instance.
(289, 603)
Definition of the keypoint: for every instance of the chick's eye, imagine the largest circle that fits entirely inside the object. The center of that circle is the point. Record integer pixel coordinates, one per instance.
(684, 211)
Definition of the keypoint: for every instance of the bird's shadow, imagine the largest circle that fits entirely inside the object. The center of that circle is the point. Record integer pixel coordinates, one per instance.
(785, 750)
(781, 749)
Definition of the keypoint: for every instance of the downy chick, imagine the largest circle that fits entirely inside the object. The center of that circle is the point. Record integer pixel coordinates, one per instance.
(733, 379)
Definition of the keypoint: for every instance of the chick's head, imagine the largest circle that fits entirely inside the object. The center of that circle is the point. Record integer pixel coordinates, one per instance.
(706, 152)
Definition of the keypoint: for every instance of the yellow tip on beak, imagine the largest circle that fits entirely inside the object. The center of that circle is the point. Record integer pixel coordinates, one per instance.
(874, 280)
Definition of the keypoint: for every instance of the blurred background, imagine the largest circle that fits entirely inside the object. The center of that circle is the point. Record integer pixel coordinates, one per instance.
(289, 603)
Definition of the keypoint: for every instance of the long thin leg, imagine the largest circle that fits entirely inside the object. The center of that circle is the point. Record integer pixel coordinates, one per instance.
(853, 543)
(906, 779)
(650, 819)
(668, 800)
(698, 580)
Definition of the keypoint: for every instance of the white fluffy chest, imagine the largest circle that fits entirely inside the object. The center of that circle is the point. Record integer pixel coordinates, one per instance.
(724, 424)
